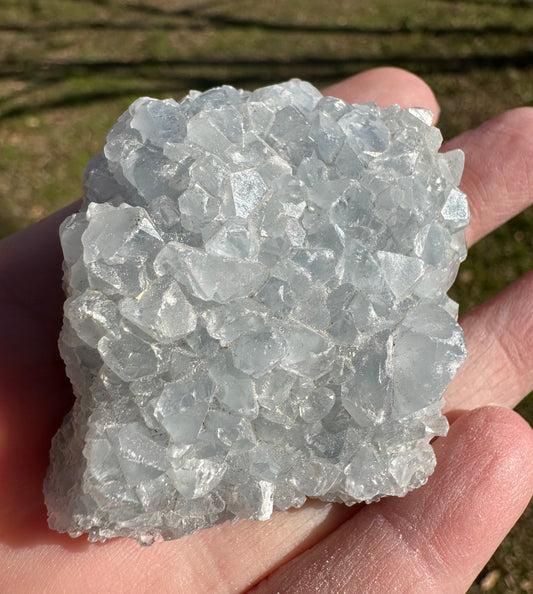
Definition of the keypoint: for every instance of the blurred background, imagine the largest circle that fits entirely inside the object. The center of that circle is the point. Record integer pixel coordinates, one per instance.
(68, 68)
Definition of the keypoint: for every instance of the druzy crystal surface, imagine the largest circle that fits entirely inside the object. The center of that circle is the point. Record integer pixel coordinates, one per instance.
(256, 311)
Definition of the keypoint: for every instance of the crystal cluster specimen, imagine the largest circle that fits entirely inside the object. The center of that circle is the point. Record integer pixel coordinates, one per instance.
(256, 311)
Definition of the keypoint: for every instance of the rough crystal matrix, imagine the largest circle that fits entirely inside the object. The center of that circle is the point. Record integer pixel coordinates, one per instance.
(256, 311)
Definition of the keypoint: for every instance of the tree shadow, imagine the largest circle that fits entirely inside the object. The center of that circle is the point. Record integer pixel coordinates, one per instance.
(43, 78)
(153, 76)
(222, 22)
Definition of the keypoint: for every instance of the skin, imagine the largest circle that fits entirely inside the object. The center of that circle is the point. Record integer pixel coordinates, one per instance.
(436, 539)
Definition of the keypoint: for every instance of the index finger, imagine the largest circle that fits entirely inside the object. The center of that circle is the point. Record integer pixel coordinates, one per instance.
(386, 86)
(497, 177)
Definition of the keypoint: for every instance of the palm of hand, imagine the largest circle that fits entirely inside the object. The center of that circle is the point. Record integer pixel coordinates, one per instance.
(435, 539)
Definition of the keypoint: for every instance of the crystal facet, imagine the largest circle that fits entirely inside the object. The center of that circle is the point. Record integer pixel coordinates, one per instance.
(256, 311)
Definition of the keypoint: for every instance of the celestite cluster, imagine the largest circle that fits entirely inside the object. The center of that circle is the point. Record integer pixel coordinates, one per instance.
(256, 311)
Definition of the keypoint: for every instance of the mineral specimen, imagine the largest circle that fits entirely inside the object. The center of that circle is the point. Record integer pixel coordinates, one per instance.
(256, 311)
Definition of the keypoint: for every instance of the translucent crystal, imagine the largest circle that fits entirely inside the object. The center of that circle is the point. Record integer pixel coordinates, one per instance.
(256, 311)
(255, 353)
(161, 310)
(248, 188)
(182, 407)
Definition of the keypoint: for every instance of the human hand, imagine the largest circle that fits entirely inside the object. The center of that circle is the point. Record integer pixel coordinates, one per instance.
(435, 539)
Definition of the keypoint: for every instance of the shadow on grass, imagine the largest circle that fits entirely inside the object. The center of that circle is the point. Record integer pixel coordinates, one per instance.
(152, 75)
(500, 3)
(210, 23)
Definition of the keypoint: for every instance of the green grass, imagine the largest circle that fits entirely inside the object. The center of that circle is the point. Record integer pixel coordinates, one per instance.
(68, 69)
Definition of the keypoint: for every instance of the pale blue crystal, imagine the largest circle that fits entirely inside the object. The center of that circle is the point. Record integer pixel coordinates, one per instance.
(256, 311)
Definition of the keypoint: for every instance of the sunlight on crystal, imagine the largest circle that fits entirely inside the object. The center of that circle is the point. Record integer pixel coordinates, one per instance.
(256, 311)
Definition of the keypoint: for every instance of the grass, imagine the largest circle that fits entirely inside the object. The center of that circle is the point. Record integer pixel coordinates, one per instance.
(68, 69)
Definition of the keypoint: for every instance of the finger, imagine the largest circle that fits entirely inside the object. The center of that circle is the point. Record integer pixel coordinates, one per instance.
(499, 338)
(437, 538)
(30, 274)
(386, 86)
(497, 177)
(34, 391)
